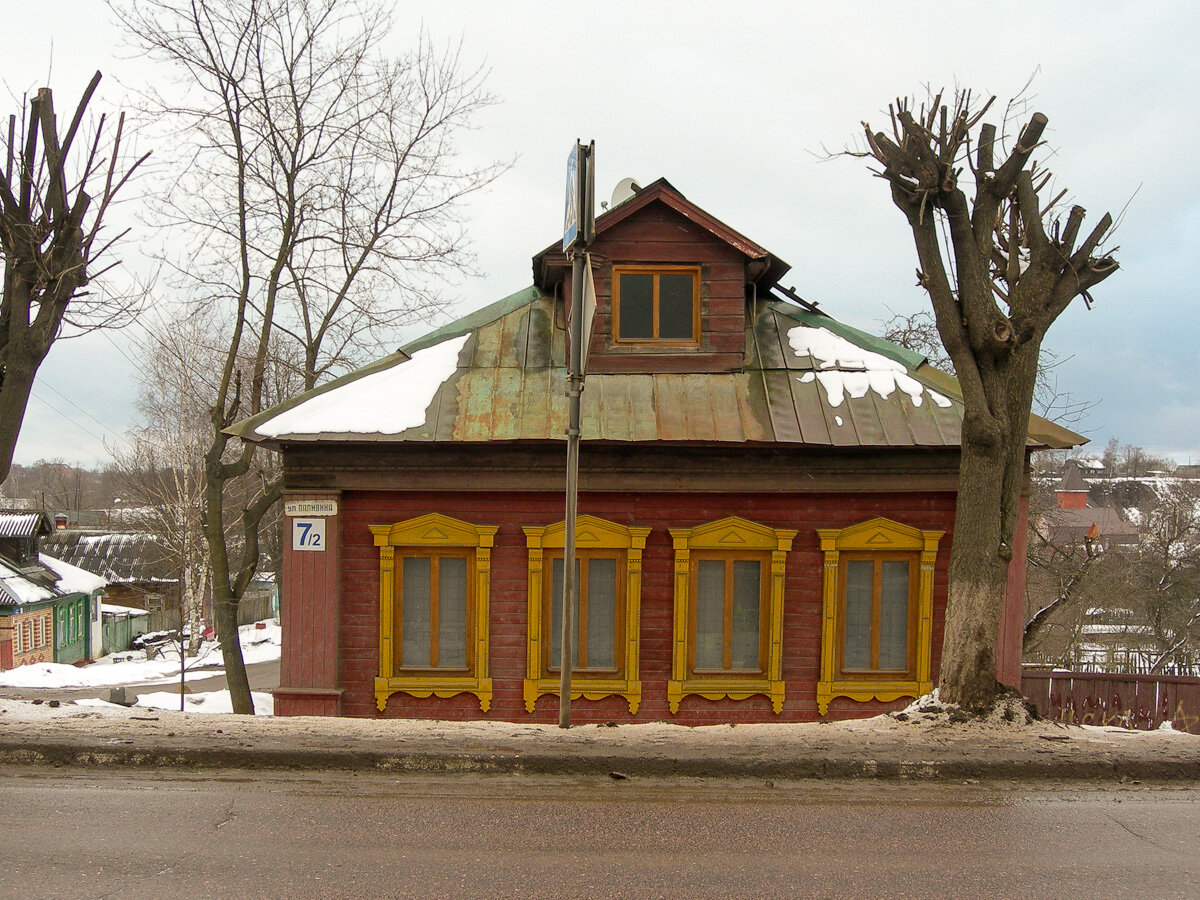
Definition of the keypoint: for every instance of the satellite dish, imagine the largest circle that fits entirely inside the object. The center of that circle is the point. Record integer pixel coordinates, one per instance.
(625, 189)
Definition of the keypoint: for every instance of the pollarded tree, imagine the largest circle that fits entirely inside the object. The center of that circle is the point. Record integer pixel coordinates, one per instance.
(1013, 265)
(55, 191)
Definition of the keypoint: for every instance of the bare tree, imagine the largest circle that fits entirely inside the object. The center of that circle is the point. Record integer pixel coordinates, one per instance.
(1014, 264)
(161, 464)
(1167, 575)
(321, 197)
(55, 191)
(917, 331)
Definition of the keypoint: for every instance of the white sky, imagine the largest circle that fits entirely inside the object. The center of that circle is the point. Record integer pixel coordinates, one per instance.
(733, 104)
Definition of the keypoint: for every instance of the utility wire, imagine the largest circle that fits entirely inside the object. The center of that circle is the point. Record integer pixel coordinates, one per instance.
(103, 425)
(68, 418)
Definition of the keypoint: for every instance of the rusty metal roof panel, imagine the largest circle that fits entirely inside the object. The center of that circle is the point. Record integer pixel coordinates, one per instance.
(642, 392)
(808, 407)
(668, 408)
(808, 380)
(727, 415)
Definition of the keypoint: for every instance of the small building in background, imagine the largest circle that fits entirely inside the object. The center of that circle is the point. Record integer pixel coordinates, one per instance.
(49, 612)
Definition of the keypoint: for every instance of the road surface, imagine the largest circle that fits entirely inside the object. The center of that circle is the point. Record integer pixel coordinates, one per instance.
(249, 834)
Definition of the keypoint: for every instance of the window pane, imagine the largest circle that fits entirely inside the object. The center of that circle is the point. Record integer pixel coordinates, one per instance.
(556, 604)
(415, 611)
(710, 614)
(452, 611)
(675, 310)
(602, 613)
(747, 603)
(860, 574)
(637, 306)
(893, 615)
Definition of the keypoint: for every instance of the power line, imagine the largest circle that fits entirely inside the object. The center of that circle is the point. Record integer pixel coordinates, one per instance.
(68, 418)
(103, 425)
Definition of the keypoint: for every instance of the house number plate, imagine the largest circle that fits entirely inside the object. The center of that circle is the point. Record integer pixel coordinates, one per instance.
(308, 534)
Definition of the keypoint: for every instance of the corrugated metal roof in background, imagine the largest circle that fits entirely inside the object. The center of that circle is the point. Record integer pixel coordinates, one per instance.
(23, 524)
(120, 558)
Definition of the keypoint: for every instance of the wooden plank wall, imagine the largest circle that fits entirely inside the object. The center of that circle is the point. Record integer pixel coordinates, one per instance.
(658, 234)
(359, 625)
(309, 619)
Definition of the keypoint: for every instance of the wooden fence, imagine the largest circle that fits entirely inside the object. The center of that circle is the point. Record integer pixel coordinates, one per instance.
(1099, 698)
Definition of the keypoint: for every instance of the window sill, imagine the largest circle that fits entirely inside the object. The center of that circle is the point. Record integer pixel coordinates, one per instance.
(587, 687)
(863, 690)
(725, 686)
(443, 686)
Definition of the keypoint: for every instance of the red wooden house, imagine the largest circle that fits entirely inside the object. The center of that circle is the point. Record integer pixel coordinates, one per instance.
(766, 507)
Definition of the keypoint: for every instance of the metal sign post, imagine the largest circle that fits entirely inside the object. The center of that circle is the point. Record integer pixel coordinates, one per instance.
(578, 230)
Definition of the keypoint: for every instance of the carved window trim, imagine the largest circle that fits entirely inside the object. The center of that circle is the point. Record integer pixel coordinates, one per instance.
(879, 538)
(428, 532)
(591, 533)
(736, 537)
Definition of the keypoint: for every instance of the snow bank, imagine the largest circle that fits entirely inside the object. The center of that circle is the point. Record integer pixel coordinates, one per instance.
(259, 644)
(216, 702)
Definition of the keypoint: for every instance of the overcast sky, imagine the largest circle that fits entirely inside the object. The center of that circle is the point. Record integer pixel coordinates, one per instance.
(733, 103)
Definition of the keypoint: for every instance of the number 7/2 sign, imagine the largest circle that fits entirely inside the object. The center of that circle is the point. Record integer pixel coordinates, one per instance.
(308, 534)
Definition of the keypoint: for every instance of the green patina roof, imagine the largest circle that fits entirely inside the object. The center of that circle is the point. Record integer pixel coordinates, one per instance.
(508, 385)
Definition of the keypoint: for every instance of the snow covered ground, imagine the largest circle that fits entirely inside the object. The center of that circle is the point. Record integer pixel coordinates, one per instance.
(260, 643)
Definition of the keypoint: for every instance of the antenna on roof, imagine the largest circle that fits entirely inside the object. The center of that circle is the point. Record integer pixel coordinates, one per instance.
(625, 189)
(790, 293)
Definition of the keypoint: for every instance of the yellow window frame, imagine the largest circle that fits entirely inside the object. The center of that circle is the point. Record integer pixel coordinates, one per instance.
(737, 537)
(885, 538)
(424, 532)
(591, 533)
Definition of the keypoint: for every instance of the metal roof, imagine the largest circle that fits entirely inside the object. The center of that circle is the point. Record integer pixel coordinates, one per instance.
(23, 524)
(117, 557)
(511, 372)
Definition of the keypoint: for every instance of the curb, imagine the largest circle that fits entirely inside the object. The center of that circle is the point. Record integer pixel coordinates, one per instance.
(607, 765)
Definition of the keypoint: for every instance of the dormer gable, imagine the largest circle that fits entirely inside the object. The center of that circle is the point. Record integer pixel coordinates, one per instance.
(672, 286)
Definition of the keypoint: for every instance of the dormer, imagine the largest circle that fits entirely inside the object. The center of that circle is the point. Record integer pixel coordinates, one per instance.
(673, 286)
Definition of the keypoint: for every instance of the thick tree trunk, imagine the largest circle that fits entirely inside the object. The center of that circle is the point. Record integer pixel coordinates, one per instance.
(978, 583)
(18, 378)
(991, 477)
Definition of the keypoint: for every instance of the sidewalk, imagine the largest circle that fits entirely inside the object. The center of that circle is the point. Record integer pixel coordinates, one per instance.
(923, 746)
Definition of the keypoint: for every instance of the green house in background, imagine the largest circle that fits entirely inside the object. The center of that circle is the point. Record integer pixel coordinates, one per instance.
(49, 610)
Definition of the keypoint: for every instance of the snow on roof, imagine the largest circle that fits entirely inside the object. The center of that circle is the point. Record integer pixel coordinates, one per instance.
(18, 589)
(845, 368)
(386, 402)
(113, 609)
(72, 579)
(21, 524)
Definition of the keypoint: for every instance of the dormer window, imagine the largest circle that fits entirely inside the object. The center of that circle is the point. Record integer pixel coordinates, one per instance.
(656, 305)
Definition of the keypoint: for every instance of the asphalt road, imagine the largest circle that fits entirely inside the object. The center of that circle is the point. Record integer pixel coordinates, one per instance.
(244, 834)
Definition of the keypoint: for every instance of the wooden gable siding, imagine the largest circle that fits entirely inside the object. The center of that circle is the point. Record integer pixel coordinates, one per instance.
(659, 234)
(358, 621)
